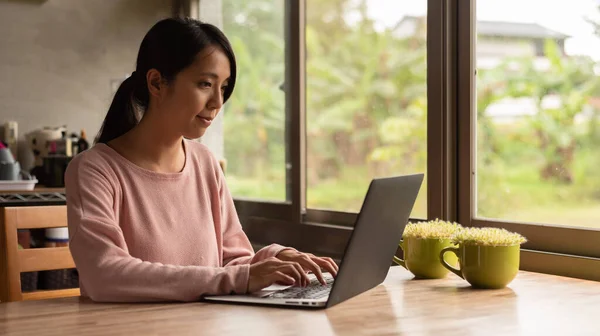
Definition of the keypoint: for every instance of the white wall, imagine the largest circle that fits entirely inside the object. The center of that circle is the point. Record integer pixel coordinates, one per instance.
(58, 58)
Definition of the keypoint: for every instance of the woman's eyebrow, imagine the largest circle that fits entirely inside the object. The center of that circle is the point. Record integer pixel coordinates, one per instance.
(209, 74)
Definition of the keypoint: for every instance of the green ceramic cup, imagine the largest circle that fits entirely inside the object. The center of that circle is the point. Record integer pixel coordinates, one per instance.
(421, 257)
(484, 266)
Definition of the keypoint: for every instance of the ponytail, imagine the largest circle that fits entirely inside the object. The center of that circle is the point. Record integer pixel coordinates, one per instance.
(122, 114)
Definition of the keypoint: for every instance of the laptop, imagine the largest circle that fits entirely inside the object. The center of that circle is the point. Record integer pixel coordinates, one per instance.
(368, 255)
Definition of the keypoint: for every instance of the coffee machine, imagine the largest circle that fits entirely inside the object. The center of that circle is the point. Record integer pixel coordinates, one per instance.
(52, 151)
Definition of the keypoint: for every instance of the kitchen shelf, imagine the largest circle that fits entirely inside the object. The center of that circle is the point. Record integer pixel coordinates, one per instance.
(16, 198)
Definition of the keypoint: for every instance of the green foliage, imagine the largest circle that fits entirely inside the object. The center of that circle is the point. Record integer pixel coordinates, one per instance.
(525, 165)
(254, 118)
(367, 115)
(572, 81)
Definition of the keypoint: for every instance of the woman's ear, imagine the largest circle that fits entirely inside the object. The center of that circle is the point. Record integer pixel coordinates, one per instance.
(155, 80)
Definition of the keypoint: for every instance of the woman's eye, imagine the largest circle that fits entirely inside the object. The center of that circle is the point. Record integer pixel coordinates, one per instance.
(205, 84)
(223, 88)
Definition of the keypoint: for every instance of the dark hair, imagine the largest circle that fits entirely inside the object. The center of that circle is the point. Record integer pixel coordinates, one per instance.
(169, 47)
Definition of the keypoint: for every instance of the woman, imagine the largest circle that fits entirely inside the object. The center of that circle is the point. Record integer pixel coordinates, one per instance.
(150, 215)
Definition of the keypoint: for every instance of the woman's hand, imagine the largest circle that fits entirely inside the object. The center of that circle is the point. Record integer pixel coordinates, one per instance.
(273, 270)
(309, 262)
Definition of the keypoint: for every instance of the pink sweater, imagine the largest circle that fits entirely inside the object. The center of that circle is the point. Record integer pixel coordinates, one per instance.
(139, 235)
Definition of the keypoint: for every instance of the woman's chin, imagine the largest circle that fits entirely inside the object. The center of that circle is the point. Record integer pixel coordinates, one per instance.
(195, 134)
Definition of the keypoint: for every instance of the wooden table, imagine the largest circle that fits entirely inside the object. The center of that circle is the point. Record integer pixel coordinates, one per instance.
(534, 304)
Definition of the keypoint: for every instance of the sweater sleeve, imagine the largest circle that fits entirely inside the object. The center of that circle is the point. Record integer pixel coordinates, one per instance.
(107, 271)
(237, 249)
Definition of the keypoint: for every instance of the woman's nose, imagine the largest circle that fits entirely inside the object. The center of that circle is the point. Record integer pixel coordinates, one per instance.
(216, 101)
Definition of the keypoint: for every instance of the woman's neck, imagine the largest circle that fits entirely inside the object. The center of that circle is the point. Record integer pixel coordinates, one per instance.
(150, 147)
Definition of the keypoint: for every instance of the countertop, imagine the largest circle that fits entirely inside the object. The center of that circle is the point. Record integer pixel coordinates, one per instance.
(533, 304)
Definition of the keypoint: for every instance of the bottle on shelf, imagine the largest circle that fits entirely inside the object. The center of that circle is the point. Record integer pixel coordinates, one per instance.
(82, 144)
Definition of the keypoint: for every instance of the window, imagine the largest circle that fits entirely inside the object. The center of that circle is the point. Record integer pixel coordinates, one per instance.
(526, 122)
(366, 107)
(352, 133)
(538, 145)
(311, 124)
(255, 117)
(500, 111)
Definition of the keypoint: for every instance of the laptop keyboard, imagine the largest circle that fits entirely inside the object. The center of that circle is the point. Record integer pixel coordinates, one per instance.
(313, 291)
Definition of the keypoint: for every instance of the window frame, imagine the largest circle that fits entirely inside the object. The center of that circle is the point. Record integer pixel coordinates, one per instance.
(440, 157)
(290, 222)
(252, 209)
(291, 210)
(451, 122)
(555, 249)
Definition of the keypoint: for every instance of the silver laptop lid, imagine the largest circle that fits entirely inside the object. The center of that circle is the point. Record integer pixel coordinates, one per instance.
(377, 232)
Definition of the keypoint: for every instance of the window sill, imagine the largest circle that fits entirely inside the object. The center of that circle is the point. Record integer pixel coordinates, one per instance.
(566, 265)
(331, 241)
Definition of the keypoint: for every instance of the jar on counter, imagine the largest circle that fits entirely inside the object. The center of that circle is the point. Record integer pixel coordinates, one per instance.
(57, 237)
(58, 279)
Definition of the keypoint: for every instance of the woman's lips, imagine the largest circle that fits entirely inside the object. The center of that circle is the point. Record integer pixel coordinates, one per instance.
(206, 121)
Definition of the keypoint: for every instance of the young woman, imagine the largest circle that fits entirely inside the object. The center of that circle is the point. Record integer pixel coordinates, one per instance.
(149, 213)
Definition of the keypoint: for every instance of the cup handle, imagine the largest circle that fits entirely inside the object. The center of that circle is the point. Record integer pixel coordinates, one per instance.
(398, 260)
(445, 264)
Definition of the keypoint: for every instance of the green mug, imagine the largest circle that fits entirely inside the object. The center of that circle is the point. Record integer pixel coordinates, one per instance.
(421, 257)
(484, 266)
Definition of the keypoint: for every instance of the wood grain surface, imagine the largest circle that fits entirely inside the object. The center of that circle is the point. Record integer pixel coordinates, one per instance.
(533, 304)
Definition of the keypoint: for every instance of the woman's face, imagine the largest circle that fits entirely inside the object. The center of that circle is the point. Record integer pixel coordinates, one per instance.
(195, 96)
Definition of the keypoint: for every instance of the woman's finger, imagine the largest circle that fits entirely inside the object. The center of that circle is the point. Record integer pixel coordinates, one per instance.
(325, 264)
(309, 264)
(305, 279)
(282, 278)
(289, 269)
(332, 263)
(335, 265)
